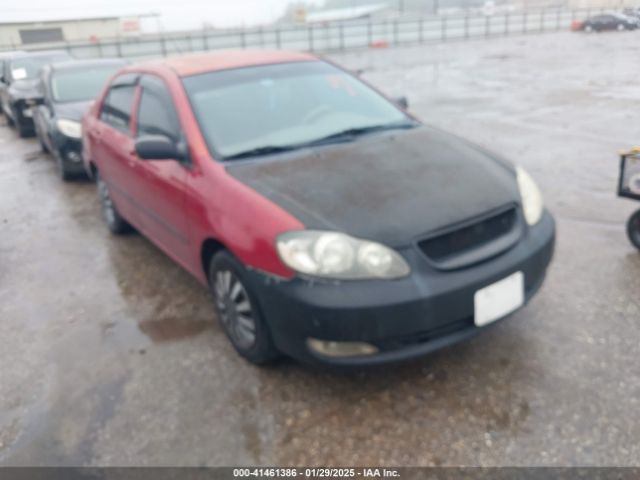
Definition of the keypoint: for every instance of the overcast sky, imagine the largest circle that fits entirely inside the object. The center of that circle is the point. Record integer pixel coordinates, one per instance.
(175, 14)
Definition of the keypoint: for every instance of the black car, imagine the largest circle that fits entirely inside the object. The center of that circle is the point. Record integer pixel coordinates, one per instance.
(609, 21)
(68, 89)
(19, 85)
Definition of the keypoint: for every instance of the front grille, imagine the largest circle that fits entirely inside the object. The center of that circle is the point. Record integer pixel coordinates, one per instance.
(455, 248)
(419, 338)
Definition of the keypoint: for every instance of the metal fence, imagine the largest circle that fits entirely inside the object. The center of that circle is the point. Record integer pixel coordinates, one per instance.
(331, 37)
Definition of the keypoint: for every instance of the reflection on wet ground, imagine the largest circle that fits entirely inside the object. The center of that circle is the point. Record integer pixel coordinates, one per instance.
(112, 355)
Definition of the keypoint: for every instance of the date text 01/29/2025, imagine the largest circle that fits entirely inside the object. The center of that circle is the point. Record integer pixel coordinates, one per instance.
(316, 472)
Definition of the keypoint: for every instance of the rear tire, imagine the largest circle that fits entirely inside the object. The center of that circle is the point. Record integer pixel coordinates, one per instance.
(238, 311)
(633, 229)
(116, 222)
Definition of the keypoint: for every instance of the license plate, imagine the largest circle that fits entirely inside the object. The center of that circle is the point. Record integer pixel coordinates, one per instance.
(498, 299)
(27, 112)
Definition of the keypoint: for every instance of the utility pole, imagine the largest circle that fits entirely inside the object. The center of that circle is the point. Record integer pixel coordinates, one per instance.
(401, 6)
(436, 6)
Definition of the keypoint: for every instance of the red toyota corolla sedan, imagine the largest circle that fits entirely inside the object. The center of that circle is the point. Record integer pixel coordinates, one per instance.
(329, 224)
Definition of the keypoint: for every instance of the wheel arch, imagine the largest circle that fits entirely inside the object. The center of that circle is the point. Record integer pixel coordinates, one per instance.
(210, 246)
(91, 168)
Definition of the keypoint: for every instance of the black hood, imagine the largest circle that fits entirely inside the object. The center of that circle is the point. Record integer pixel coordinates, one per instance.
(72, 110)
(391, 188)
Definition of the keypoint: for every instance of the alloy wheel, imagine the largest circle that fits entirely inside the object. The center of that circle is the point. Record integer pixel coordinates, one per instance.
(234, 308)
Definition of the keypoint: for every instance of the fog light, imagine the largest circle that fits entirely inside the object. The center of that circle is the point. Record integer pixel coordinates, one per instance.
(340, 349)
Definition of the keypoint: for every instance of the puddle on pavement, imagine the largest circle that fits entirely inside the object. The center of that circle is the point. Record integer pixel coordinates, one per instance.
(135, 334)
(168, 329)
(163, 302)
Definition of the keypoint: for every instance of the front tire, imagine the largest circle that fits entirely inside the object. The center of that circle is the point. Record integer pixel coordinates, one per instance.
(43, 145)
(116, 223)
(63, 171)
(23, 131)
(10, 121)
(237, 310)
(633, 229)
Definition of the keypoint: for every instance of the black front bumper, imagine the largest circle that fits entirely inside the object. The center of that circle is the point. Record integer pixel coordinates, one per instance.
(69, 152)
(403, 318)
(22, 113)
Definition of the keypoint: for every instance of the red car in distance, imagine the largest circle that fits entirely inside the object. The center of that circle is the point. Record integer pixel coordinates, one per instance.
(329, 224)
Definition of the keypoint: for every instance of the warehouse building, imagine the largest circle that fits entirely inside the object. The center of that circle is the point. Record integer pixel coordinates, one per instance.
(17, 32)
(340, 14)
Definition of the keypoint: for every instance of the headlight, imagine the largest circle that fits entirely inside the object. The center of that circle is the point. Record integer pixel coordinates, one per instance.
(337, 255)
(69, 128)
(532, 203)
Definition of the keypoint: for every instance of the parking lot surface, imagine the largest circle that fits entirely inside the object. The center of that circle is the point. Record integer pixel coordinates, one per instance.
(110, 353)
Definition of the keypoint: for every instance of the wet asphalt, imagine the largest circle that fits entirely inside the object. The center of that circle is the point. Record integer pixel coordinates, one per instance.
(110, 353)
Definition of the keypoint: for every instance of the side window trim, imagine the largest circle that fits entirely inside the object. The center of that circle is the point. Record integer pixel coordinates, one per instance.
(155, 86)
(127, 80)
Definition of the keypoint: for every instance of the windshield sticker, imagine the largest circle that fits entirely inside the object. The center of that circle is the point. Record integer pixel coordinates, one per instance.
(338, 82)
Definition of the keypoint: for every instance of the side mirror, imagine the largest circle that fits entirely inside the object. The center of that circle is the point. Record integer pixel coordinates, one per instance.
(402, 102)
(157, 147)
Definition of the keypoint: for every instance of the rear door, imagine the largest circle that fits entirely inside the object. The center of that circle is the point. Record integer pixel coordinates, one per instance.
(161, 183)
(112, 143)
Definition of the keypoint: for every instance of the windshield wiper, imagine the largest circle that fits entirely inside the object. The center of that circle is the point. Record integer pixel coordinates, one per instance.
(341, 136)
(351, 133)
(260, 151)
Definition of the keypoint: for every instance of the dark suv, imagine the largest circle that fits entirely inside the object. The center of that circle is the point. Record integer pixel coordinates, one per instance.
(19, 86)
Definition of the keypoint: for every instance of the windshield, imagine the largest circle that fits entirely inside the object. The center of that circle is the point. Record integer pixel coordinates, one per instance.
(78, 85)
(29, 67)
(283, 105)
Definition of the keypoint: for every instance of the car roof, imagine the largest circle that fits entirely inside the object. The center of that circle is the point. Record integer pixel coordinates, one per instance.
(195, 64)
(96, 62)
